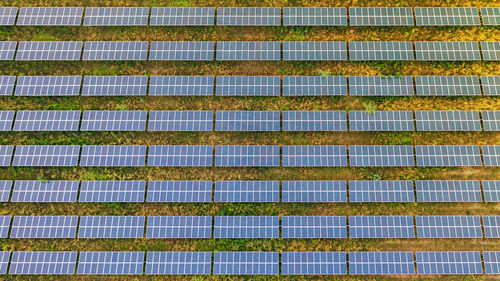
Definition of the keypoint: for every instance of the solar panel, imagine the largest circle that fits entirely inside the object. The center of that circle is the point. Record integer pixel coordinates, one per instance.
(112, 191)
(7, 50)
(246, 263)
(46, 155)
(48, 86)
(6, 119)
(314, 191)
(181, 86)
(491, 85)
(381, 263)
(314, 50)
(449, 263)
(324, 16)
(247, 86)
(314, 85)
(491, 120)
(314, 121)
(447, 155)
(247, 121)
(381, 227)
(388, 121)
(246, 227)
(107, 263)
(491, 262)
(5, 187)
(7, 84)
(313, 227)
(491, 190)
(182, 50)
(249, 16)
(440, 120)
(179, 227)
(49, 50)
(381, 156)
(111, 227)
(50, 16)
(180, 155)
(114, 86)
(491, 155)
(446, 16)
(47, 263)
(491, 226)
(42, 120)
(448, 191)
(123, 120)
(182, 120)
(247, 156)
(447, 86)
(6, 152)
(375, 16)
(116, 16)
(179, 263)
(8, 15)
(314, 156)
(248, 50)
(380, 50)
(490, 15)
(44, 227)
(179, 191)
(313, 263)
(115, 50)
(182, 16)
(381, 191)
(45, 191)
(447, 51)
(113, 156)
(247, 191)
(381, 86)
(449, 227)
(4, 227)
(490, 50)
(4, 256)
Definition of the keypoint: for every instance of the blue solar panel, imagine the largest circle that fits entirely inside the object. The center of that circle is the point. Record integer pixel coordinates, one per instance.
(313, 227)
(314, 50)
(5, 187)
(115, 50)
(388, 121)
(42, 120)
(248, 86)
(112, 191)
(123, 120)
(447, 51)
(490, 15)
(48, 86)
(314, 191)
(491, 190)
(7, 50)
(448, 191)
(180, 155)
(449, 227)
(247, 156)
(179, 227)
(182, 16)
(381, 191)
(447, 155)
(381, 227)
(491, 85)
(49, 50)
(447, 86)
(247, 121)
(44, 227)
(6, 119)
(491, 226)
(116, 16)
(111, 227)
(247, 191)
(490, 50)
(6, 155)
(7, 85)
(179, 191)
(314, 155)
(8, 15)
(317, 16)
(439, 120)
(491, 155)
(491, 120)
(181, 86)
(491, 262)
(381, 86)
(46, 263)
(113, 156)
(248, 50)
(107, 263)
(246, 227)
(249, 16)
(378, 263)
(381, 155)
(185, 120)
(182, 50)
(45, 191)
(246, 263)
(4, 256)
(314, 86)
(314, 121)
(179, 263)
(380, 50)
(313, 263)
(114, 86)
(4, 226)
(449, 263)
(46, 155)
(446, 16)
(380, 16)
(50, 16)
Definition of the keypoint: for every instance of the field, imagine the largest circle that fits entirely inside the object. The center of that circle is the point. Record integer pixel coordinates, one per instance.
(218, 33)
